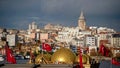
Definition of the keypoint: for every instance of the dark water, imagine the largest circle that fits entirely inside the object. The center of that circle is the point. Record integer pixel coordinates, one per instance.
(103, 64)
(107, 64)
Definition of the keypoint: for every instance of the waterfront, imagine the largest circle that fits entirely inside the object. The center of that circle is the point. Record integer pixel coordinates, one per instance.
(103, 64)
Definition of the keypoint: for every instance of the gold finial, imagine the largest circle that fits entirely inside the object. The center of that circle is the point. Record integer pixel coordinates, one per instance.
(30, 61)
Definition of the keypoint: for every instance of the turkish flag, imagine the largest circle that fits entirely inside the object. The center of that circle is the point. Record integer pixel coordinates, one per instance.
(101, 50)
(46, 47)
(9, 57)
(115, 62)
(80, 56)
(107, 52)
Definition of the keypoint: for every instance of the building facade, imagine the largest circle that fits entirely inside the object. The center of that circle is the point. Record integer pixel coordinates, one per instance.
(90, 40)
(116, 40)
(12, 39)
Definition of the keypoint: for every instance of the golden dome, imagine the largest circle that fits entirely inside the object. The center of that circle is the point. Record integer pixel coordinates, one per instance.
(84, 59)
(63, 55)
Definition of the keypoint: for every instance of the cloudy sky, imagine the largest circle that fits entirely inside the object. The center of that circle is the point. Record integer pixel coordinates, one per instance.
(17, 14)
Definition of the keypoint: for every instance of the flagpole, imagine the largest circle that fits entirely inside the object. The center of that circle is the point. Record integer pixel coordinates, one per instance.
(42, 52)
(80, 59)
(6, 47)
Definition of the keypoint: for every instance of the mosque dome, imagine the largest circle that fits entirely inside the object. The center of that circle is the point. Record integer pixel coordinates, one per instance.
(63, 55)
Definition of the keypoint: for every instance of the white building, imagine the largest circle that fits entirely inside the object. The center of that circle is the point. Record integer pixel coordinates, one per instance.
(93, 29)
(83, 33)
(104, 34)
(115, 44)
(12, 39)
(1, 36)
(105, 29)
(37, 36)
(48, 26)
(69, 35)
(52, 27)
(32, 26)
(115, 40)
(90, 40)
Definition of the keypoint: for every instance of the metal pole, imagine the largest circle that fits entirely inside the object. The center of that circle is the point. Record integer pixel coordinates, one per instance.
(42, 52)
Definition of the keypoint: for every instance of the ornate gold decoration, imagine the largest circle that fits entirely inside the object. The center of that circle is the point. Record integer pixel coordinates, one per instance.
(38, 59)
(84, 59)
(46, 58)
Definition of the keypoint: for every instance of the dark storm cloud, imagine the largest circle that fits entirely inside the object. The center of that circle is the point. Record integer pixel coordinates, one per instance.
(19, 13)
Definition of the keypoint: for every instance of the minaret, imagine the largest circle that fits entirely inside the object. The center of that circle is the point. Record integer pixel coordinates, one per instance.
(33, 25)
(81, 22)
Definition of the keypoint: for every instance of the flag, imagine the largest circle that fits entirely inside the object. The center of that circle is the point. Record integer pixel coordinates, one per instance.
(9, 57)
(103, 50)
(46, 47)
(107, 52)
(80, 58)
(115, 62)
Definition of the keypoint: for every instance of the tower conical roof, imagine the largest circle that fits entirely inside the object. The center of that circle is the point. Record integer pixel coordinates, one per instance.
(81, 15)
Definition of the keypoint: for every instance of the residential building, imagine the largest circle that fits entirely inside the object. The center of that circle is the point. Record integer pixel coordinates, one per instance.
(12, 39)
(104, 35)
(115, 40)
(90, 40)
(32, 26)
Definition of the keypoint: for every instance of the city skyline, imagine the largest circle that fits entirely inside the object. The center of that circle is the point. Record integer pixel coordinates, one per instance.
(18, 14)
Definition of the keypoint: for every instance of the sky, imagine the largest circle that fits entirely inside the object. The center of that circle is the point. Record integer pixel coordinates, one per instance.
(17, 14)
